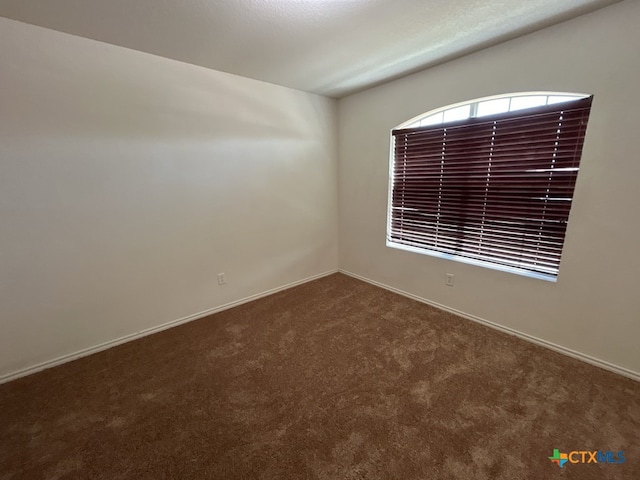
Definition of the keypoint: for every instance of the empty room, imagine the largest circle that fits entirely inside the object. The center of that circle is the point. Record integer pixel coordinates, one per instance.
(319, 239)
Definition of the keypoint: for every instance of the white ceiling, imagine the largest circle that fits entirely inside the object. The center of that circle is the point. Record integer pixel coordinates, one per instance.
(330, 47)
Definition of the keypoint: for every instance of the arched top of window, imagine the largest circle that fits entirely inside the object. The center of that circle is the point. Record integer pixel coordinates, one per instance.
(495, 105)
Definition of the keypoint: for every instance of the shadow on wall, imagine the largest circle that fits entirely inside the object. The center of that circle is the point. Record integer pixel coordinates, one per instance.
(147, 98)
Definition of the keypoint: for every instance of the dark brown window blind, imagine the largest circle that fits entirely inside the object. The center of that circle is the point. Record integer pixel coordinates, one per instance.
(495, 189)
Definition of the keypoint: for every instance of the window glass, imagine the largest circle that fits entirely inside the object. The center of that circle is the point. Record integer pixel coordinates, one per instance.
(559, 99)
(457, 113)
(491, 107)
(520, 103)
(432, 120)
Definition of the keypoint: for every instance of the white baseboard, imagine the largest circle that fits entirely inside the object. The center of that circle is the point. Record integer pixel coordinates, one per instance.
(143, 333)
(530, 338)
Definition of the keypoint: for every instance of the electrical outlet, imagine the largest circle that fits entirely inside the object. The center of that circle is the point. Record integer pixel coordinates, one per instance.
(221, 279)
(449, 282)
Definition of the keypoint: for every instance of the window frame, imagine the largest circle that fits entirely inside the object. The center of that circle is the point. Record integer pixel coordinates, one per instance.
(414, 123)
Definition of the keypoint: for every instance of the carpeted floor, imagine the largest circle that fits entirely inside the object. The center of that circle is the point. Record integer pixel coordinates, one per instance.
(334, 379)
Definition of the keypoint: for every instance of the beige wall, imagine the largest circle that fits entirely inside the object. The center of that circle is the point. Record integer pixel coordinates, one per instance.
(594, 307)
(128, 181)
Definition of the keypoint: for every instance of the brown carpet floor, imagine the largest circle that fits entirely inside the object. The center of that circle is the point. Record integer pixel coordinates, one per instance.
(334, 379)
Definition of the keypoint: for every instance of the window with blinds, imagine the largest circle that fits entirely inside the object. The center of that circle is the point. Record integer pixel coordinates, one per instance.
(494, 190)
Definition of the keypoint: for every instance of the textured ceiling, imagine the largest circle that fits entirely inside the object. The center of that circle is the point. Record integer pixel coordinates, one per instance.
(331, 47)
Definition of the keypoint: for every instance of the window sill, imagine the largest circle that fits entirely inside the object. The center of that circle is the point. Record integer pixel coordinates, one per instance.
(471, 261)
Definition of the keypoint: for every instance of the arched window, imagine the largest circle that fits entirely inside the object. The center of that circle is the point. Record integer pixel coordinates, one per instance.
(489, 182)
